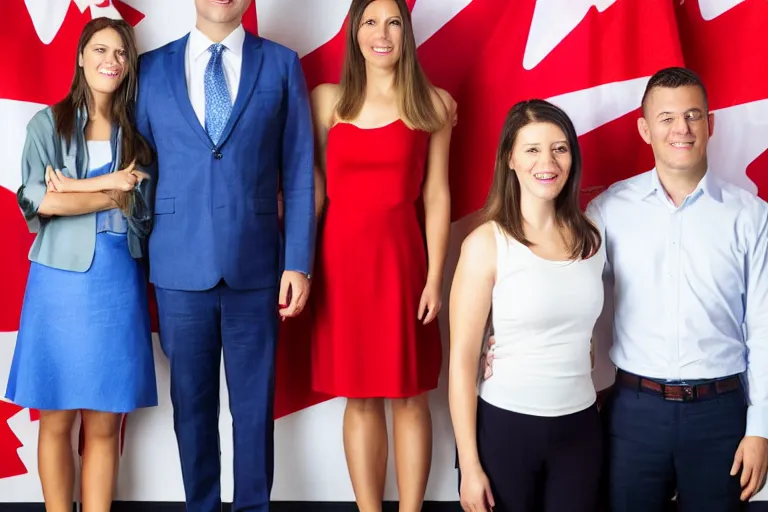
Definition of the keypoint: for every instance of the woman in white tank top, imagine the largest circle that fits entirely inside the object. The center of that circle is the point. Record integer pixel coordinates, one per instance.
(529, 437)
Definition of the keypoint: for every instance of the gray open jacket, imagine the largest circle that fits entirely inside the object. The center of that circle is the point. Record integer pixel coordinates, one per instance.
(68, 243)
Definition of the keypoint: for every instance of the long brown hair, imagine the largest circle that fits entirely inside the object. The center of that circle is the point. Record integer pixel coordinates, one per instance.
(79, 96)
(503, 203)
(417, 105)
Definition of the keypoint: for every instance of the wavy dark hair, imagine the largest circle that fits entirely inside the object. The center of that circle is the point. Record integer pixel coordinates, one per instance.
(79, 96)
(413, 88)
(503, 203)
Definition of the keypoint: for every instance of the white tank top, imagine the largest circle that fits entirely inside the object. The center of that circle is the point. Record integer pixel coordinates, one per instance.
(543, 313)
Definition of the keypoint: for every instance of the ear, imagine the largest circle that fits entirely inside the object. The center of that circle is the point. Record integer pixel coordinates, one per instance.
(80, 60)
(510, 164)
(711, 122)
(642, 127)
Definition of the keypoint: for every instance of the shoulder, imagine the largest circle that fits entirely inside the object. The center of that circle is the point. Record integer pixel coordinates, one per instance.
(443, 101)
(621, 192)
(326, 93)
(273, 49)
(41, 123)
(752, 210)
(479, 246)
(147, 58)
(324, 98)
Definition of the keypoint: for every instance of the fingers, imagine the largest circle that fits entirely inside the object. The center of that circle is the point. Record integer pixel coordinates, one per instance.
(422, 307)
(489, 497)
(296, 296)
(432, 310)
(749, 481)
(131, 166)
(282, 299)
(737, 461)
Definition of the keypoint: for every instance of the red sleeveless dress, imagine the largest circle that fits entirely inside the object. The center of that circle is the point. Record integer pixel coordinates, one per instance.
(372, 268)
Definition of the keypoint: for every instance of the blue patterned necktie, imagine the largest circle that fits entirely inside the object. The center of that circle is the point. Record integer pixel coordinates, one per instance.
(218, 104)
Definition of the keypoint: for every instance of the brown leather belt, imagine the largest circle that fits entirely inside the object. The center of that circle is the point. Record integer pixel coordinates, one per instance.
(679, 392)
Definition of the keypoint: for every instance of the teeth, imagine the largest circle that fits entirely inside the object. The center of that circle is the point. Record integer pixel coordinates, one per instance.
(108, 73)
(682, 144)
(381, 49)
(543, 175)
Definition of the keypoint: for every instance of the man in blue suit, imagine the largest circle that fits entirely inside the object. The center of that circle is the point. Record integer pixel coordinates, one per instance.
(228, 114)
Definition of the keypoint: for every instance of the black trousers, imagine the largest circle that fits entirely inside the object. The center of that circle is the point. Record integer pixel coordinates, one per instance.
(541, 464)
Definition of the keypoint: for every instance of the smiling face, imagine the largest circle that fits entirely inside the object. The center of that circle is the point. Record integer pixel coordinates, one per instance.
(541, 159)
(103, 61)
(677, 126)
(380, 34)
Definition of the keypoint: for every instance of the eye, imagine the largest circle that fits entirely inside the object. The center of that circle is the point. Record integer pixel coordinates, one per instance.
(369, 22)
(396, 22)
(99, 50)
(693, 116)
(532, 150)
(666, 120)
(561, 149)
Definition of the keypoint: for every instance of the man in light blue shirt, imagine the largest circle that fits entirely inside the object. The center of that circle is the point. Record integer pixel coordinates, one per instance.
(686, 254)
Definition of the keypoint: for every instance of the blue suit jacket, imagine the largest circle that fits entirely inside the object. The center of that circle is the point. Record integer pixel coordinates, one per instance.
(215, 206)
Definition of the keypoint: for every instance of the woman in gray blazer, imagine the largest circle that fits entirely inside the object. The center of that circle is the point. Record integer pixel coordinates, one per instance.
(84, 341)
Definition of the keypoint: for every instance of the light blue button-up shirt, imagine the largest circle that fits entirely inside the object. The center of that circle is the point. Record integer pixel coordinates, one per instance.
(690, 284)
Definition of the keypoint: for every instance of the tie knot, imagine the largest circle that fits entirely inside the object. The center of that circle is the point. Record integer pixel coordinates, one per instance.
(216, 49)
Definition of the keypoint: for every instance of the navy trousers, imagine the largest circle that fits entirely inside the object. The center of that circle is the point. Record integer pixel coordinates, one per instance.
(658, 447)
(194, 329)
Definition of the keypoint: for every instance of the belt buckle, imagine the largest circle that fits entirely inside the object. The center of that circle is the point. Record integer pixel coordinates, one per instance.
(687, 393)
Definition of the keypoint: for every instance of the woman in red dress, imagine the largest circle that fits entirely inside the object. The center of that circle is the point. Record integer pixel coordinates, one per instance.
(383, 137)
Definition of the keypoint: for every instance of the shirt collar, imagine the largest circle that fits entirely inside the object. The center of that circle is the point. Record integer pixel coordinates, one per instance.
(199, 42)
(707, 185)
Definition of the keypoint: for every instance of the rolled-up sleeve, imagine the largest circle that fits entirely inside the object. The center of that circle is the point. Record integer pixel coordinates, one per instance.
(36, 156)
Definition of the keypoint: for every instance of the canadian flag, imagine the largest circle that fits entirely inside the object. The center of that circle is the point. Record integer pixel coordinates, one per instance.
(592, 57)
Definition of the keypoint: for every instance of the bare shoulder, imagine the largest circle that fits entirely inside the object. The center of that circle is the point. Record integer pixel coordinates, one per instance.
(323, 99)
(443, 101)
(478, 250)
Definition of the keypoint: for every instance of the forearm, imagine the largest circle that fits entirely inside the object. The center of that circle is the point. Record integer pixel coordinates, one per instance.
(88, 185)
(462, 398)
(71, 204)
(437, 212)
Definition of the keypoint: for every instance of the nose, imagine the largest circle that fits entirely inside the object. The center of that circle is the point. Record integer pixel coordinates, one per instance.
(680, 126)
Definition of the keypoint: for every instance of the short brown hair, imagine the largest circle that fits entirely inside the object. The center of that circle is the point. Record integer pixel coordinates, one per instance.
(673, 78)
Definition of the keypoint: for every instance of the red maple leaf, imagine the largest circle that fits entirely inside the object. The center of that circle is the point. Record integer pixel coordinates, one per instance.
(10, 462)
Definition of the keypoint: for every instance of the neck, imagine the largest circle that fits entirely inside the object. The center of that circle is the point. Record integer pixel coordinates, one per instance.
(379, 81)
(539, 214)
(216, 32)
(100, 106)
(679, 185)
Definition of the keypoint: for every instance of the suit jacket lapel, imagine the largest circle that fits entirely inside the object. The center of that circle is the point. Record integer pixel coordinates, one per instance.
(177, 76)
(249, 74)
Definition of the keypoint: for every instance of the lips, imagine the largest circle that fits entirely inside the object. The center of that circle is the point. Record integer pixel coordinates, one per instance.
(110, 73)
(382, 50)
(545, 177)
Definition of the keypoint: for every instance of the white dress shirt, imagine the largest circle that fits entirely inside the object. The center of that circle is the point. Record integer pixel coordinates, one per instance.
(690, 284)
(197, 59)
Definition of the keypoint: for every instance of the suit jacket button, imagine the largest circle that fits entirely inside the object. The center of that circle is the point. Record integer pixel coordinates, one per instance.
(217, 155)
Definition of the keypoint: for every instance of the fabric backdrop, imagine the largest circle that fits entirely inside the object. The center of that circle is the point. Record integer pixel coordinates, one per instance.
(592, 57)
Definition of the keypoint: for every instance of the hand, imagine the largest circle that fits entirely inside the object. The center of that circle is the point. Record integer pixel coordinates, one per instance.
(294, 287)
(126, 179)
(602, 396)
(752, 458)
(430, 302)
(486, 360)
(55, 181)
(475, 493)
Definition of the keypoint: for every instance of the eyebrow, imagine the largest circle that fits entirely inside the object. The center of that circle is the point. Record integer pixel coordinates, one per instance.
(695, 110)
(538, 144)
